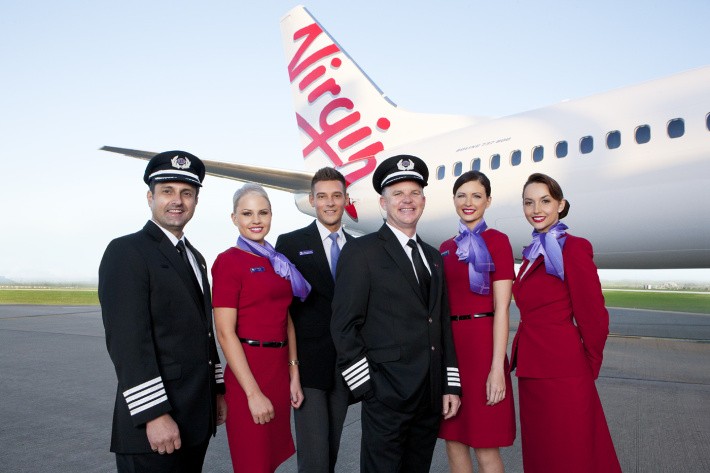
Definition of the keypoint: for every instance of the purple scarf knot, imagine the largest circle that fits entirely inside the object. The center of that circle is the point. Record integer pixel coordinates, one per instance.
(549, 245)
(282, 266)
(472, 249)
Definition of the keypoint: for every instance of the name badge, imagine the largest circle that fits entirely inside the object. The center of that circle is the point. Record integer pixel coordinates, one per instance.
(445, 253)
(258, 269)
(305, 252)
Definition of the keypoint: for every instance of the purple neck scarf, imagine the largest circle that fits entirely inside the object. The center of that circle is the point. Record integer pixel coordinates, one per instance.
(282, 266)
(473, 250)
(549, 245)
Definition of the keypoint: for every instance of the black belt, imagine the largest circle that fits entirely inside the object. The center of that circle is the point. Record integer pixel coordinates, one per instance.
(469, 316)
(257, 343)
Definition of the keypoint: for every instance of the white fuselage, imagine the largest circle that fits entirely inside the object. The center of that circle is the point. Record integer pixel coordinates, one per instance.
(641, 205)
(636, 171)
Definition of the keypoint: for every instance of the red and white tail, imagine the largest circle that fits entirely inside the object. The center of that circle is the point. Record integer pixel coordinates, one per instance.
(345, 120)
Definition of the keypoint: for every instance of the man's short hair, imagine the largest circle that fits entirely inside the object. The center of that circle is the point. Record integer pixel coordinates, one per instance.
(327, 174)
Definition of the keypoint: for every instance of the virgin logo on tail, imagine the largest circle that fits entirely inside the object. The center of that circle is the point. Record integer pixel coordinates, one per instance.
(326, 135)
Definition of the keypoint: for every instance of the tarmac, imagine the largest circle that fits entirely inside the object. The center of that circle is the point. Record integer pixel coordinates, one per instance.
(57, 387)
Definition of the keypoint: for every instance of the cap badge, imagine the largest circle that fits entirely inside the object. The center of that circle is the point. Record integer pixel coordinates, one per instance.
(180, 162)
(405, 165)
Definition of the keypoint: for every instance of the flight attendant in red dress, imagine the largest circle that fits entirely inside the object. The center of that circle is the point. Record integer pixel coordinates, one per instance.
(478, 264)
(252, 288)
(557, 350)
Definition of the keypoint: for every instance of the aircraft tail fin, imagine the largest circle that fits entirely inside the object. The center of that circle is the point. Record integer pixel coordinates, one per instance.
(344, 118)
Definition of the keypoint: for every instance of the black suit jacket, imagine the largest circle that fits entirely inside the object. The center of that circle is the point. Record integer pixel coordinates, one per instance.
(160, 338)
(311, 318)
(387, 339)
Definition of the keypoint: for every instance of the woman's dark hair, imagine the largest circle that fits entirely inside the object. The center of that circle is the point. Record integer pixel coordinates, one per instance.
(469, 176)
(552, 186)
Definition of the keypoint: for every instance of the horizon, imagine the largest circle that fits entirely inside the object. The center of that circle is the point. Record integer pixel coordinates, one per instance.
(605, 275)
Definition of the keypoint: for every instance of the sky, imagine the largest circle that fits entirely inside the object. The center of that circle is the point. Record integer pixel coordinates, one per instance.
(210, 78)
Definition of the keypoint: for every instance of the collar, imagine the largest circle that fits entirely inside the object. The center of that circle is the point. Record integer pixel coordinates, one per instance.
(325, 233)
(401, 237)
(173, 239)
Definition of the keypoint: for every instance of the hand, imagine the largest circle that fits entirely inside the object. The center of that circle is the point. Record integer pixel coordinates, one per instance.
(262, 411)
(451, 405)
(495, 387)
(296, 393)
(163, 434)
(221, 409)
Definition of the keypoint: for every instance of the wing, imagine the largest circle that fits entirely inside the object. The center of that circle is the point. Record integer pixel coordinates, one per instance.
(281, 179)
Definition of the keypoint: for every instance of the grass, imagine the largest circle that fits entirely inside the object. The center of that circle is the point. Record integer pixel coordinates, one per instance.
(49, 296)
(671, 301)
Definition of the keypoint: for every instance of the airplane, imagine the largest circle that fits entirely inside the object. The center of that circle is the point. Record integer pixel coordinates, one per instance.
(633, 162)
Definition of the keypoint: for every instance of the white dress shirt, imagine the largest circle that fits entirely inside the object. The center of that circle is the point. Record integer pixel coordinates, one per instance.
(327, 242)
(403, 239)
(193, 261)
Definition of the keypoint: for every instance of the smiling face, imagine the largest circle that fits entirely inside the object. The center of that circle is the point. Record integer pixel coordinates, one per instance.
(328, 198)
(471, 203)
(541, 209)
(252, 216)
(172, 205)
(404, 204)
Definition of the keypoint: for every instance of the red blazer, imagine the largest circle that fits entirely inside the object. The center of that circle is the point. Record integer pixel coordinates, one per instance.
(563, 324)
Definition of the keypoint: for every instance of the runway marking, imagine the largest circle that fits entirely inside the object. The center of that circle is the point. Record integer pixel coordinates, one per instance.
(66, 334)
(664, 381)
(662, 311)
(46, 315)
(649, 337)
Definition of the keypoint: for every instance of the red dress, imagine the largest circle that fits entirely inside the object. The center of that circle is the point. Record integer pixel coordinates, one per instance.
(557, 354)
(476, 424)
(248, 283)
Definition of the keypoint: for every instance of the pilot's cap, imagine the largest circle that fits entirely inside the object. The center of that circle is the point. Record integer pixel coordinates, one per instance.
(175, 166)
(398, 168)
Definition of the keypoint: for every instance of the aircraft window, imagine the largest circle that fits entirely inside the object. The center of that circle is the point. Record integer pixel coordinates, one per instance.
(586, 145)
(458, 168)
(676, 128)
(476, 164)
(515, 157)
(707, 121)
(495, 161)
(561, 149)
(613, 139)
(440, 172)
(643, 134)
(538, 153)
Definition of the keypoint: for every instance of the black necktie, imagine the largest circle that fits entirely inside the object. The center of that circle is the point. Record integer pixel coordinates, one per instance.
(186, 259)
(422, 273)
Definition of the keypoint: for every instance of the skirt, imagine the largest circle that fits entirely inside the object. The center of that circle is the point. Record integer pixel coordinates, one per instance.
(563, 428)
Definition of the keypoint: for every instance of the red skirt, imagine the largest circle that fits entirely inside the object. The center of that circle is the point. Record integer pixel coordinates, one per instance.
(563, 428)
(476, 424)
(260, 448)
